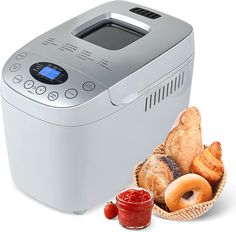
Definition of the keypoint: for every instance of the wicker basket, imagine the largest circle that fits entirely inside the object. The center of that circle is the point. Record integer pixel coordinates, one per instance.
(187, 213)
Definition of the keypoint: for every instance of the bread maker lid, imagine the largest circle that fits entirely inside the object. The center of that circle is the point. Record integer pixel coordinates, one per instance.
(148, 38)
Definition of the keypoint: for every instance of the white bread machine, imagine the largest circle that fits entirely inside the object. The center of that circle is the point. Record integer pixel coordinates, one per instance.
(87, 100)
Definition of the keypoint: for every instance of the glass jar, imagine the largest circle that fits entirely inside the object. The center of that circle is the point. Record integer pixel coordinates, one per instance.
(134, 207)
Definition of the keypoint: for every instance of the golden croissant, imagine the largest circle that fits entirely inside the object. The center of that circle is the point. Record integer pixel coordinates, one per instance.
(209, 164)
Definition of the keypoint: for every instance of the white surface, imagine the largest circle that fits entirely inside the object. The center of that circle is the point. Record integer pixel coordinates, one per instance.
(213, 92)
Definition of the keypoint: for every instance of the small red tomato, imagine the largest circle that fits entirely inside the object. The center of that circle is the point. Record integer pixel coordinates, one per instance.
(110, 210)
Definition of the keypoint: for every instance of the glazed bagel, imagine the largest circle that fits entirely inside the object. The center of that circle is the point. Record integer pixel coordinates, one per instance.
(177, 190)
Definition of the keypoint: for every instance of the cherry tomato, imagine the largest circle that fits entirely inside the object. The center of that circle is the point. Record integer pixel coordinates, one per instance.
(110, 210)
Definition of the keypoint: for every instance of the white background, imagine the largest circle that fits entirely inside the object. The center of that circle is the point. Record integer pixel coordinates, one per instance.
(213, 92)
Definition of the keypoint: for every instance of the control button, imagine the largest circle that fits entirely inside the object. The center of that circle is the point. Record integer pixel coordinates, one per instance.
(40, 90)
(15, 67)
(17, 79)
(29, 84)
(21, 55)
(88, 86)
(52, 96)
(71, 93)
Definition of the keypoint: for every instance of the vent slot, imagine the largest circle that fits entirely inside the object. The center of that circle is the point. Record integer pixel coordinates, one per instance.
(145, 13)
(171, 87)
(155, 98)
(146, 104)
(165, 91)
(179, 81)
(175, 84)
(159, 95)
(150, 101)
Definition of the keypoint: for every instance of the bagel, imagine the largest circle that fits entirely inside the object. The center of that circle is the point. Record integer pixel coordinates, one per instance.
(176, 192)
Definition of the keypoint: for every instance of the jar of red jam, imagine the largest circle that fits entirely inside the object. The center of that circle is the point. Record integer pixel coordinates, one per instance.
(134, 208)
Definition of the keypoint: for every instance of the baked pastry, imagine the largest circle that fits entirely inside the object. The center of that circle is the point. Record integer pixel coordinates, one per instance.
(198, 186)
(184, 142)
(209, 164)
(156, 173)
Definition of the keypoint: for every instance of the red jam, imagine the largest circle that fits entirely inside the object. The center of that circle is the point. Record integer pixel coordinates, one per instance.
(134, 208)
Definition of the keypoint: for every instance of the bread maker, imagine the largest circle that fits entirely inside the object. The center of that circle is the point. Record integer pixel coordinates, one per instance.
(87, 100)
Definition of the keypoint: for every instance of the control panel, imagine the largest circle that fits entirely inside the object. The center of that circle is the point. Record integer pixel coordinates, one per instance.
(46, 82)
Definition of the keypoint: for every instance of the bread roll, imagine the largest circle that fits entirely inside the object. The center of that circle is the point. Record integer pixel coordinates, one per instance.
(156, 173)
(184, 141)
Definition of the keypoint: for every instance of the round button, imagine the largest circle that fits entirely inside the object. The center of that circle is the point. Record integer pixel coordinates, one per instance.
(71, 93)
(15, 67)
(17, 79)
(29, 84)
(88, 86)
(40, 90)
(52, 96)
(21, 55)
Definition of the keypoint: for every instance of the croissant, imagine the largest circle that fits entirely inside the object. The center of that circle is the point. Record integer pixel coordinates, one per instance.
(209, 164)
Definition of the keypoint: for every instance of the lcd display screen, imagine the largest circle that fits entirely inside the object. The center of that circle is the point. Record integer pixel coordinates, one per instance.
(49, 72)
(110, 35)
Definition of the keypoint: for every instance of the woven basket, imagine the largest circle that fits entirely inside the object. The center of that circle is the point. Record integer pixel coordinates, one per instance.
(187, 213)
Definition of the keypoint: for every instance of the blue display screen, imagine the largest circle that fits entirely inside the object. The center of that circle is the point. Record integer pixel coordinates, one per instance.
(49, 72)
